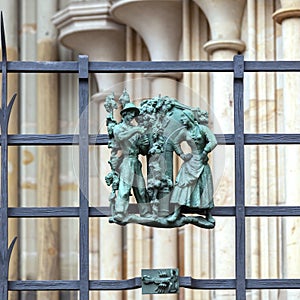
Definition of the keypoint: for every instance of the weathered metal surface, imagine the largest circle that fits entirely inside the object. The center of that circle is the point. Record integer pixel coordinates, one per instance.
(104, 211)
(151, 67)
(163, 125)
(136, 283)
(160, 281)
(240, 226)
(83, 177)
(102, 139)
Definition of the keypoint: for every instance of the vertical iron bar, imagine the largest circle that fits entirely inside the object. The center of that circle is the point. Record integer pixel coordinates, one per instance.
(4, 173)
(84, 176)
(239, 177)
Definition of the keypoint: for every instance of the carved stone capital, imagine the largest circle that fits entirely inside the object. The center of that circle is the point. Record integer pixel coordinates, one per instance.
(159, 23)
(88, 28)
(285, 13)
(213, 45)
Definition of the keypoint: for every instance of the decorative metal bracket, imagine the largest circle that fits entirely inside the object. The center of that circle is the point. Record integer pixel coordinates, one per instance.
(160, 281)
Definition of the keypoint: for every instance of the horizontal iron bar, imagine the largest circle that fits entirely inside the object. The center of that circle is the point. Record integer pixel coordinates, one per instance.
(206, 284)
(272, 211)
(45, 212)
(161, 66)
(54, 139)
(273, 284)
(149, 66)
(272, 66)
(102, 139)
(135, 283)
(103, 211)
(43, 285)
(210, 284)
(276, 138)
(119, 66)
(129, 284)
(261, 139)
(47, 285)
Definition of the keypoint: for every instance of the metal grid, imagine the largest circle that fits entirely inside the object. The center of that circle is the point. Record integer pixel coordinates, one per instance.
(238, 139)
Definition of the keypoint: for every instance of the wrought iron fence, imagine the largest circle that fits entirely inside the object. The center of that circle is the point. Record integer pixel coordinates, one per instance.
(238, 139)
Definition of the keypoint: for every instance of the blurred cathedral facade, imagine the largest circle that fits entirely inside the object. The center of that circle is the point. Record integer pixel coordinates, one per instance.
(152, 30)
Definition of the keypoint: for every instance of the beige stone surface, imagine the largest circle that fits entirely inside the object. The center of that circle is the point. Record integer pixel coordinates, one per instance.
(159, 30)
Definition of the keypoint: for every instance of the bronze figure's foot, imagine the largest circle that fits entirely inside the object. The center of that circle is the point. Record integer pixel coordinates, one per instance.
(210, 218)
(172, 218)
(147, 215)
(119, 217)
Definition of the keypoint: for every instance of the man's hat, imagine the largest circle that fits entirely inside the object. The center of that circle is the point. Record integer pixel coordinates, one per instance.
(130, 107)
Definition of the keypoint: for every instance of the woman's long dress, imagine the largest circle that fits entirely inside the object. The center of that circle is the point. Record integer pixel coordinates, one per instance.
(194, 185)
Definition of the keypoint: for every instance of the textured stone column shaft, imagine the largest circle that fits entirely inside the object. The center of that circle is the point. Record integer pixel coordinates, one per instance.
(28, 158)
(68, 183)
(288, 17)
(47, 179)
(224, 45)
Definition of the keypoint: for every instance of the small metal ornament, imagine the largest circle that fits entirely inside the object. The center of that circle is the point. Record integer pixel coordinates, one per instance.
(160, 281)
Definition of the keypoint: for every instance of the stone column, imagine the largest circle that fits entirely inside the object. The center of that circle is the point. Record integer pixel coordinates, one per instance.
(28, 154)
(263, 254)
(9, 9)
(87, 28)
(289, 18)
(225, 22)
(47, 174)
(68, 183)
(251, 125)
(159, 24)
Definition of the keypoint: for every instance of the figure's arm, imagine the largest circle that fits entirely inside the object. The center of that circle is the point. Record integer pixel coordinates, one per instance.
(176, 143)
(210, 138)
(177, 147)
(211, 143)
(122, 133)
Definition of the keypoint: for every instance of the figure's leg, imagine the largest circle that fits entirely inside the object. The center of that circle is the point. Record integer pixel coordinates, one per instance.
(143, 202)
(154, 201)
(125, 183)
(209, 216)
(112, 201)
(122, 201)
(140, 193)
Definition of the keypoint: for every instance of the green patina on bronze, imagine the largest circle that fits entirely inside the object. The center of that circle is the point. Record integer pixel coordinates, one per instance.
(160, 281)
(156, 130)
